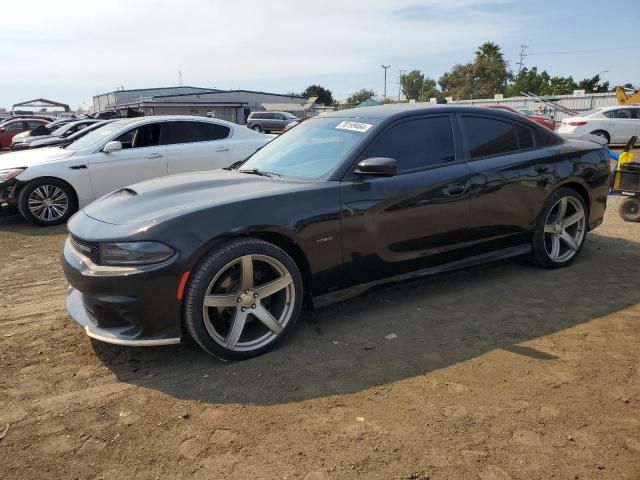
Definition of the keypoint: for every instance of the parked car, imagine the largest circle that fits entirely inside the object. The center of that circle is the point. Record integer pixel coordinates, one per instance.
(616, 124)
(270, 121)
(343, 202)
(48, 185)
(44, 129)
(13, 127)
(541, 119)
(62, 131)
(51, 141)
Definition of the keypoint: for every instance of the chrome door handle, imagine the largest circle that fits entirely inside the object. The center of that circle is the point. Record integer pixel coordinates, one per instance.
(222, 149)
(154, 155)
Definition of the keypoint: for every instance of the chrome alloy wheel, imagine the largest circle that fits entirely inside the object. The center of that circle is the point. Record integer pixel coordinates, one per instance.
(248, 303)
(564, 229)
(48, 203)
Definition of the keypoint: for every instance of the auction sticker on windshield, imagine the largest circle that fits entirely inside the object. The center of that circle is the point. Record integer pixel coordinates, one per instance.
(354, 126)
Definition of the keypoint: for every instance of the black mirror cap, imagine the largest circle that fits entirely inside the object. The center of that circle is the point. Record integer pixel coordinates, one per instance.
(378, 167)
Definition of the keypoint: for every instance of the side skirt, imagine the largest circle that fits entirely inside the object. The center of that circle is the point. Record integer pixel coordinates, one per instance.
(356, 290)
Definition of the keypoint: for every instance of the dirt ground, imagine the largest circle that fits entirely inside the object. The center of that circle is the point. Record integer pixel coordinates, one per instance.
(505, 371)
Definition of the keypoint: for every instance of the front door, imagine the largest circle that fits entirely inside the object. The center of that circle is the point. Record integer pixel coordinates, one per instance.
(142, 157)
(393, 225)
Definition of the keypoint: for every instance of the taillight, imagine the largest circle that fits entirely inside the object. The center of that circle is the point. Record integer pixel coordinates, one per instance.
(576, 124)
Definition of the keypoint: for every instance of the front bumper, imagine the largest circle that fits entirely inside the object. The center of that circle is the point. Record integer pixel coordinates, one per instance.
(123, 305)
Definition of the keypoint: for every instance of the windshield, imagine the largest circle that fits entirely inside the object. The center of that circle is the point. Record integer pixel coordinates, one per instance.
(312, 149)
(95, 136)
(58, 132)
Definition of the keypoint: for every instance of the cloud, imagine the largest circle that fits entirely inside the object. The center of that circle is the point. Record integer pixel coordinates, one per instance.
(89, 46)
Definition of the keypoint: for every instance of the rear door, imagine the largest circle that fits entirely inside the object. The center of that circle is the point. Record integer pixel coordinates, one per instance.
(142, 157)
(511, 178)
(621, 124)
(393, 225)
(196, 145)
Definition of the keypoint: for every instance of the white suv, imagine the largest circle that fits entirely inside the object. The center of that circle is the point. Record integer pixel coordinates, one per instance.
(48, 185)
(616, 124)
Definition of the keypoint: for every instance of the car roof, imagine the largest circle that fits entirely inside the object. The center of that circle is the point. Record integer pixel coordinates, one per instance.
(155, 118)
(393, 111)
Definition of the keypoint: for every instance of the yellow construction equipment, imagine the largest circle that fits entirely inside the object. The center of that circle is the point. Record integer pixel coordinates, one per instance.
(624, 98)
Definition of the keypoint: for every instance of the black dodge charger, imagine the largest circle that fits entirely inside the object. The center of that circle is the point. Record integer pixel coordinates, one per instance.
(341, 203)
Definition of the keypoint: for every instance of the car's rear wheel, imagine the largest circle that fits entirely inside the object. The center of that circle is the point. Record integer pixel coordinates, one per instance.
(629, 209)
(257, 128)
(47, 201)
(603, 134)
(561, 229)
(243, 299)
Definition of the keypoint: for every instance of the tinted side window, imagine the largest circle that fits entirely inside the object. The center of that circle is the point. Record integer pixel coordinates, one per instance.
(416, 143)
(525, 136)
(145, 136)
(32, 125)
(489, 137)
(15, 126)
(622, 113)
(188, 132)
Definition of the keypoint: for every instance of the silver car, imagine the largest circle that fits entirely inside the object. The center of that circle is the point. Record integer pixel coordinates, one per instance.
(270, 121)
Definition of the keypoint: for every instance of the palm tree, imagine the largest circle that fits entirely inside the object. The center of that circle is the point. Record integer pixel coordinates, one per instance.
(490, 51)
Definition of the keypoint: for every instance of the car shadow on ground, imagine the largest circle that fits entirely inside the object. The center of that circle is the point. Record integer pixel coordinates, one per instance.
(15, 223)
(437, 322)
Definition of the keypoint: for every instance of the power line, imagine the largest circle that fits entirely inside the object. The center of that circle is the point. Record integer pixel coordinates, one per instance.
(522, 57)
(566, 52)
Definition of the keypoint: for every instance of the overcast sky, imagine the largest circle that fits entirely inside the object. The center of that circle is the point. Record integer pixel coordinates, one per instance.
(69, 50)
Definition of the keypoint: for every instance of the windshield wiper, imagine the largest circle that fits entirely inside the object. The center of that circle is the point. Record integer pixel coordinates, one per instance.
(262, 173)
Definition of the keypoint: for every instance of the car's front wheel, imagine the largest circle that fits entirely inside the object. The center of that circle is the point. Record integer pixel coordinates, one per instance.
(243, 299)
(47, 201)
(561, 229)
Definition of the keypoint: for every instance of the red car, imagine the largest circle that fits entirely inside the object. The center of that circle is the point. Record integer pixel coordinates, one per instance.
(541, 119)
(16, 126)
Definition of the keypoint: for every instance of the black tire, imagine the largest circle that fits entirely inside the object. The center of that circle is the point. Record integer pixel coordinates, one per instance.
(256, 128)
(30, 193)
(540, 241)
(211, 271)
(629, 209)
(602, 133)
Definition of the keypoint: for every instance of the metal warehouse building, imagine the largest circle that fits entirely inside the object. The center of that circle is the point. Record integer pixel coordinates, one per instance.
(231, 105)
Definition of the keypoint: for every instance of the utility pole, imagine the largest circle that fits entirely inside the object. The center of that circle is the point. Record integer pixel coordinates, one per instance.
(180, 77)
(385, 80)
(522, 57)
(400, 84)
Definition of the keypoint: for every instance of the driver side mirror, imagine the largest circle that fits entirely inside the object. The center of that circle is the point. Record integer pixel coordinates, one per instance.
(377, 167)
(111, 147)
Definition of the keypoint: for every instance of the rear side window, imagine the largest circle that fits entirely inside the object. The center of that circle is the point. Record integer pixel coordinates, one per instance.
(489, 137)
(416, 143)
(12, 127)
(621, 113)
(257, 116)
(525, 136)
(189, 132)
(32, 125)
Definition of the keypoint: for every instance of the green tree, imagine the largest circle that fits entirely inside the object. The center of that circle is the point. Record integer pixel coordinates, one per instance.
(429, 90)
(527, 81)
(457, 82)
(360, 96)
(593, 84)
(490, 73)
(558, 86)
(324, 95)
(412, 83)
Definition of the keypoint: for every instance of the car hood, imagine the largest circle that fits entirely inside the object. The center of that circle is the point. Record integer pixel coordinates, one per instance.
(162, 198)
(29, 158)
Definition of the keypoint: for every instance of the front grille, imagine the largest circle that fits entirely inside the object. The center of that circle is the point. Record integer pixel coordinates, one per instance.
(90, 250)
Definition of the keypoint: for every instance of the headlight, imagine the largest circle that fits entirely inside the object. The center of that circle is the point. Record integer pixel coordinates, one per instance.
(134, 253)
(9, 173)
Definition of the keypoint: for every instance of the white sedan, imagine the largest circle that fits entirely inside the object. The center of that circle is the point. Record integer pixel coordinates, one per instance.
(48, 185)
(616, 124)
